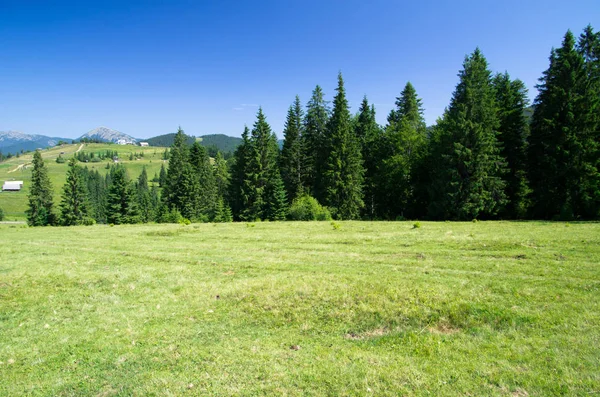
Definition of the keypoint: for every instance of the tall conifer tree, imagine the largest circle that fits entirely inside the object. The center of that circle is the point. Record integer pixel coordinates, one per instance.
(563, 152)
(240, 186)
(467, 179)
(292, 154)
(511, 100)
(405, 140)
(343, 174)
(206, 195)
(315, 129)
(262, 172)
(74, 205)
(369, 136)
(40, 203)
(121, 199)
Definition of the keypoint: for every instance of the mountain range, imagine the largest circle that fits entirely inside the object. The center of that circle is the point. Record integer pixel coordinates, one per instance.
(14, 141)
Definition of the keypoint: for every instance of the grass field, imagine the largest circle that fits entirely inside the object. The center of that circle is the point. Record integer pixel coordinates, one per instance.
(472, 309)
(14, 204)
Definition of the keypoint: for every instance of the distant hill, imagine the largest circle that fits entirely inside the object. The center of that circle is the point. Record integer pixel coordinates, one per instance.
(223, 143)
(104, 134)
(14, 141)
(166, 140)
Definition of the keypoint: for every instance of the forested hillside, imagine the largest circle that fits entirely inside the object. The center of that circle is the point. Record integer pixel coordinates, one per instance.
(167, 140)
(224, 143)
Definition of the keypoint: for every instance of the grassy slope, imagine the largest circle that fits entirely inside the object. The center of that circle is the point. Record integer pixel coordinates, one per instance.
(488, 308)
(14, 204)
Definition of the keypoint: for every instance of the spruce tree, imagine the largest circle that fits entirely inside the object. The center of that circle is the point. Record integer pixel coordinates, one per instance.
(276, 198)
(145, 205)
(292, 154)
(162, 179)
(313, 140)
(222, 177)
(173, 191)
(96, 189)
(206, 195)
(563, 154)
(181, 189)
(369, 136)
(40, 204)
(262, 171)
(511, 100)
(588, 206)
(121, 198)
(398, 185)
(240, 186)
(74, 206)
(222, 212)
(467, 178)
(343, 173)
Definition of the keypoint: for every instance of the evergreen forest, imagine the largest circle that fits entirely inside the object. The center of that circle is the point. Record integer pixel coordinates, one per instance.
(492, 155)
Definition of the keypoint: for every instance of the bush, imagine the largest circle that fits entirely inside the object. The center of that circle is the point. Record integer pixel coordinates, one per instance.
(172, 216)
(60, 159)
(307, 208)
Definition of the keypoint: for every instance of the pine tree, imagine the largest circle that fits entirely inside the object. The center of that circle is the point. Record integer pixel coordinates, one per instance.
(563, 154)
(40, 204)
(343, 174)
(313, 140)
(292, 154)
(511, 100)
(467, 178)
(74, 207)
(369, 136)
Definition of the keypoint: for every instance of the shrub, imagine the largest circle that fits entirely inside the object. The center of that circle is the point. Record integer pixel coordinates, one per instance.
(307, 208)
(60, 159)
(173, 216)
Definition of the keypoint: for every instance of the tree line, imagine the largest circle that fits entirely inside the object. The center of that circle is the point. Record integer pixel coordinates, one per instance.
(487, 157)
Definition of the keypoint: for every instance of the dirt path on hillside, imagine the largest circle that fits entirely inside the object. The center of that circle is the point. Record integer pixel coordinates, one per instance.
(80, 147)
(18, 167)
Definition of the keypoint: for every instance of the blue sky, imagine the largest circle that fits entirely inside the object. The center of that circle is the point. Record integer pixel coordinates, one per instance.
(146, 67)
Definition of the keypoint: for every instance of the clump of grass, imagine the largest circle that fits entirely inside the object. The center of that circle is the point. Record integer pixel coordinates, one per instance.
(416, 225)
(474, 220)
(250, 225)
(336, 226)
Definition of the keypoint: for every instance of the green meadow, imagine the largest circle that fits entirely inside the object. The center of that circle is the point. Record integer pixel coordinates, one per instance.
(14, 204)
(349, 308)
